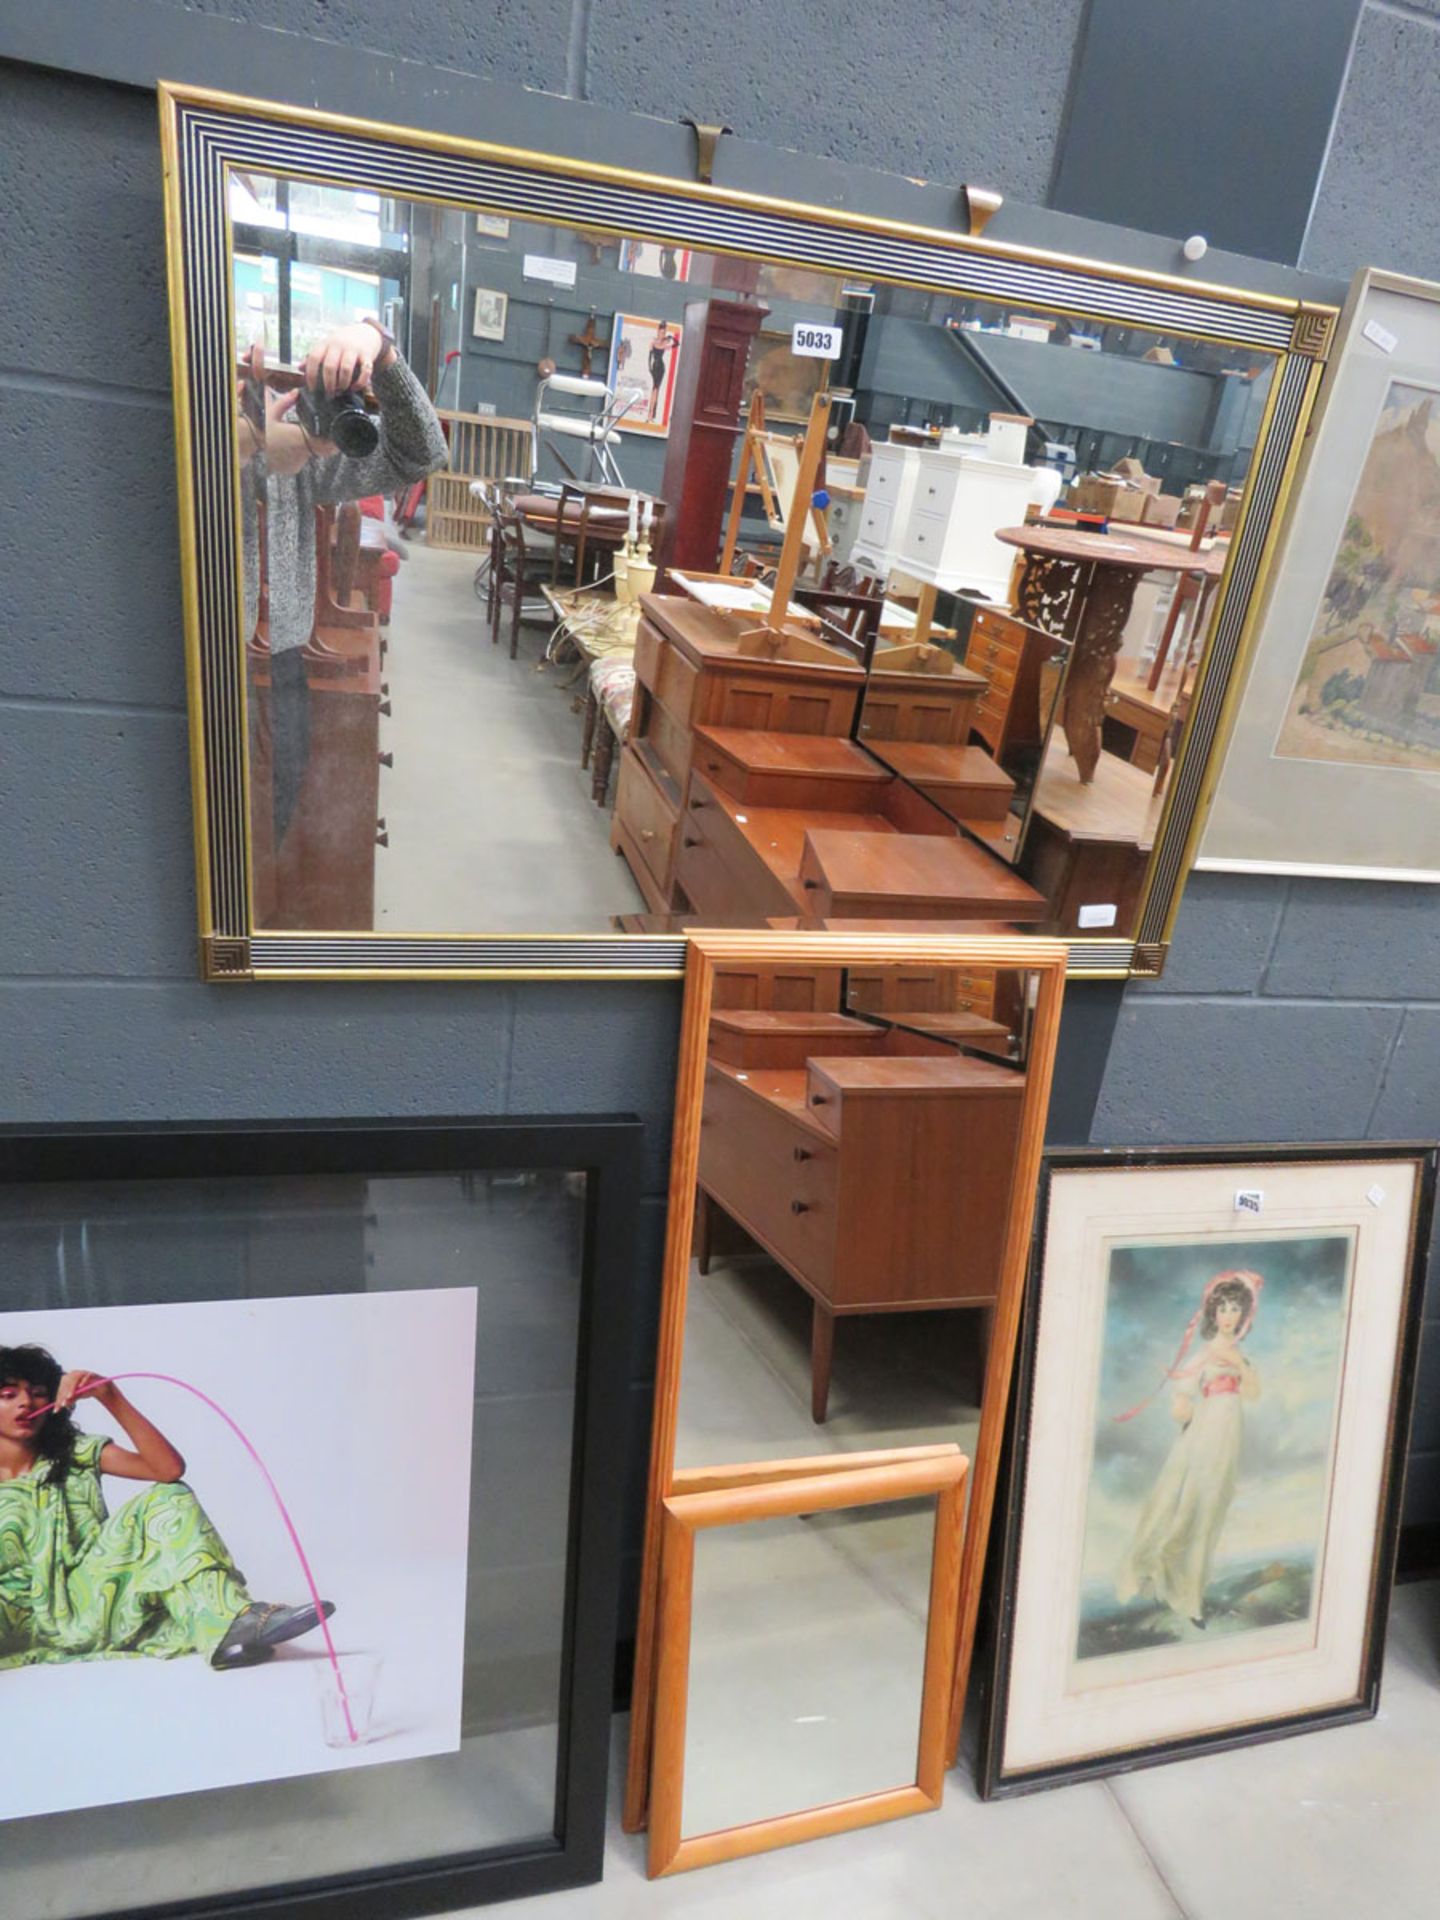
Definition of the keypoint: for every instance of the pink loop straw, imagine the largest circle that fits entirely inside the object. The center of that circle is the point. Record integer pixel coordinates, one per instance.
(249, 1447)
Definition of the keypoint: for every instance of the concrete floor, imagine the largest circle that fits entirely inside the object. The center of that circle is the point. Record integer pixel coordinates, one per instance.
(1325, 1825)
(492, 827)
(899, 1379)
(805, 1687)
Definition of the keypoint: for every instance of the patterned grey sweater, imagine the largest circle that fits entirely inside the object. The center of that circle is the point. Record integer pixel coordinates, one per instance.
(411, 445)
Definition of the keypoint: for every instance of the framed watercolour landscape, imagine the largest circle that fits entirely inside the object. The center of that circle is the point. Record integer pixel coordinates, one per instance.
(308, 1488)
(1333, 766)
(1208, 1452)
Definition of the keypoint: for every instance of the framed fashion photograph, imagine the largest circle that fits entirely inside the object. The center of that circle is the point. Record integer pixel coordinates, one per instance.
(644, 366)
(1207, 1453)
(655, 261)
(1333, 766)
(490, 311)
(309, 1521)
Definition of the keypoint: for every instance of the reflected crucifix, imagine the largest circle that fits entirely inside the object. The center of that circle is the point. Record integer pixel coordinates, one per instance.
(589, 343)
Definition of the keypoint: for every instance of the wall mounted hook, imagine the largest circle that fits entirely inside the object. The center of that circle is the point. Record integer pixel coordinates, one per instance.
(707, 138)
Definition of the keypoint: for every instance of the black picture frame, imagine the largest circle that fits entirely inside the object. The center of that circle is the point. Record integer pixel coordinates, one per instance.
(989, 1706)
(607, 1149)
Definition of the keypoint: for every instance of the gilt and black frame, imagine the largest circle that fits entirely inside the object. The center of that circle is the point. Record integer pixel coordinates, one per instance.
(207, 134)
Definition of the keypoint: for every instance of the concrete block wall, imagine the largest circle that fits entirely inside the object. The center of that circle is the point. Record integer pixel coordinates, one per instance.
(101, 1016)
(1304, 1010)
(1374, 206)
(1310, 1009)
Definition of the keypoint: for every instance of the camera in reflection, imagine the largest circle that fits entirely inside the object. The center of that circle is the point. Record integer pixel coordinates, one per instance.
(341, 418)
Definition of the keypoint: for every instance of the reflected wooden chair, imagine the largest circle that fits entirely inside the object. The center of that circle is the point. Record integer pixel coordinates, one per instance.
(524, 562)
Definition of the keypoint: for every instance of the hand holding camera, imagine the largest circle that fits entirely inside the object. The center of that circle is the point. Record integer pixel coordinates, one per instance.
(333, 405)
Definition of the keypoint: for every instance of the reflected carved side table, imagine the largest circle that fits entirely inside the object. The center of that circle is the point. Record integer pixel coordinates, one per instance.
(1081, 586)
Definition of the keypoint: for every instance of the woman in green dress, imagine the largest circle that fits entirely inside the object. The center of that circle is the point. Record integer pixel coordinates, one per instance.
(80, 1583)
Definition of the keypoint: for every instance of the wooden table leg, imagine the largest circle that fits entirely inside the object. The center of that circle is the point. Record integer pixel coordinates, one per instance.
(704, 1222)
(587, 736)
(1103, 613)
(604, 758)
(822, 1353)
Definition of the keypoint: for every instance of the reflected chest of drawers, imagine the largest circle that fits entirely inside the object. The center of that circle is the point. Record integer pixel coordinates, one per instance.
(690, 672)
(879, 1182)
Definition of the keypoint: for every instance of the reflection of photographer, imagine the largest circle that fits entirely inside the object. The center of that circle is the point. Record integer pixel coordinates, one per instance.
(361, 424)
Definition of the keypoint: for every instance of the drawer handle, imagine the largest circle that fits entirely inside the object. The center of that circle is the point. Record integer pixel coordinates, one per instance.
(387, 759)
(692, 841)
(385, 708)
(800, 1206)
(802, 1153)
(812, 884)
(647, 833)
(696, 805)
(819, 1099)
(382, 839)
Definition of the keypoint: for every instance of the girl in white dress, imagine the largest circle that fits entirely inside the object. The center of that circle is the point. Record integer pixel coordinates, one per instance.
(1173, 1549)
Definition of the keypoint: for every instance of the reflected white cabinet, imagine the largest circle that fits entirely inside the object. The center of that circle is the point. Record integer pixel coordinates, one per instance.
(889, 491)
(934, 513)
(958, 504)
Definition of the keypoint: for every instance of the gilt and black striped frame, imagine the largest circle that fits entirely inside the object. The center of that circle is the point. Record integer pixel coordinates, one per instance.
(205, 134)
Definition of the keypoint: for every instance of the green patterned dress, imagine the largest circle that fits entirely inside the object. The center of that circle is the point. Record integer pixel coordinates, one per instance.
(80, 1583)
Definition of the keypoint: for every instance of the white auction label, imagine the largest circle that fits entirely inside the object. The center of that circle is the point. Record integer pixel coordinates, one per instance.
(1380, 336)
(1097, 915)
(809, 342)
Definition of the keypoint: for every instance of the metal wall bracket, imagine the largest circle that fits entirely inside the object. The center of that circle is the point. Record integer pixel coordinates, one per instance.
(707, 138)
(981, 204)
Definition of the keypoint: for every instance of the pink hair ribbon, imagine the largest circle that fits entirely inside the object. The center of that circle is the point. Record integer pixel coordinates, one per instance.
(249, 1446)
(1253, 1282)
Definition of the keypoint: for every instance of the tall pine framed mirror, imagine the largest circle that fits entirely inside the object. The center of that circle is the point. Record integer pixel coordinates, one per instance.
(575, 557)
(859, 1120)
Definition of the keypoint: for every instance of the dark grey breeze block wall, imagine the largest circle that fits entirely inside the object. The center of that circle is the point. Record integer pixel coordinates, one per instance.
(1294, 1010)
(100, 1012)
(1310, 1009)
(101, 1016)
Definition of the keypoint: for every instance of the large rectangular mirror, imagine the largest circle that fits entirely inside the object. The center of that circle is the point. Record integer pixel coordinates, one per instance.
(857, 1136)
(574, 559)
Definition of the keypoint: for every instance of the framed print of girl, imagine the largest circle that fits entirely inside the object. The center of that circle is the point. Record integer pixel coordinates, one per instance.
(1200, 1536)
(1181, 1522)
(78, 1582)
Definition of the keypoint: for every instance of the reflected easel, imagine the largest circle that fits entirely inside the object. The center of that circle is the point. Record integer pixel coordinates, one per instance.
(757, 468)
(767, 640)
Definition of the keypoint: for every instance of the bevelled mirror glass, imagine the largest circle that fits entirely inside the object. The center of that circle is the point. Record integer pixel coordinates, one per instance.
(576, 559)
